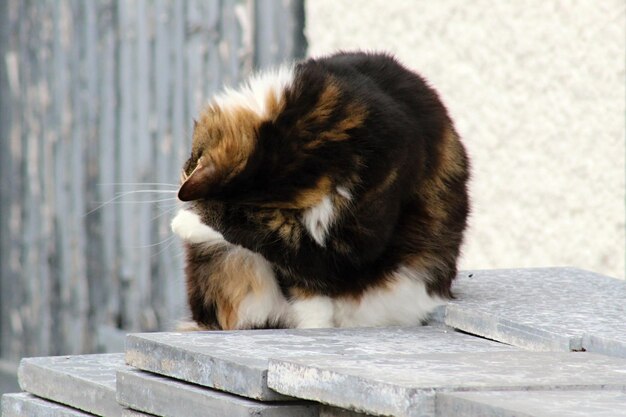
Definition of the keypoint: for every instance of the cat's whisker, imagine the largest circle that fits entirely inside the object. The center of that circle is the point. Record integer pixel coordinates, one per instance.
(169, 210)
(153, 244)
(170, 241)
(143, 201)
(136, 184)
(127, 193)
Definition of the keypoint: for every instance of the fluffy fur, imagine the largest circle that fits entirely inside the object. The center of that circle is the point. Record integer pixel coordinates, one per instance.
(329, 193)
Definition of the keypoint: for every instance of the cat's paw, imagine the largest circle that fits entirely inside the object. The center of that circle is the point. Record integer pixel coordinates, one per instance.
(189, 227)
(313, 313)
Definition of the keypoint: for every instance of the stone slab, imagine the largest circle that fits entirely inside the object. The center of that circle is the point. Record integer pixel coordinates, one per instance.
(236, 361)
(162, 396)
(328, 411)
(127, 412)
(405, 385)
(542, 309)
(85, 382)
(533, 404)
(27, 405)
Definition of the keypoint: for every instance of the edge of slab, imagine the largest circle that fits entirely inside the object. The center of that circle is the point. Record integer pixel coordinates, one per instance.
(390, 399)
(24, 404)
(505, 331)
(221, 374)
(155, 394)
(44, 382)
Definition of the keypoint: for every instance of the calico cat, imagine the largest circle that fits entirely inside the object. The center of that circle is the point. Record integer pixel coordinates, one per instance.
(329, 193)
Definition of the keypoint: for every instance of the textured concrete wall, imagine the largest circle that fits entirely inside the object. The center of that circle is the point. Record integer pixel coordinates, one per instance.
(537, 91)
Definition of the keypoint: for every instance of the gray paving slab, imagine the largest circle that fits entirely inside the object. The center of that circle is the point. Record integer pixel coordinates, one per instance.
(328, 411)
(162, 396)
(405, 385)
(27, 405)
(542, 309)
(532, 404)
(127, 412)
(85, 382)
(236, 362)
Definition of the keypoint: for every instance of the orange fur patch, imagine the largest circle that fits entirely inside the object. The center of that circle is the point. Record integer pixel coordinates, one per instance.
(355, 116)
(324, 107)
(287, 227)
(451, 164)
(227, 137)
(229, 281)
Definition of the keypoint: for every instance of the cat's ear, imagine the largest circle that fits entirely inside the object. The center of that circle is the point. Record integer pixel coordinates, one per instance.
(199, 182)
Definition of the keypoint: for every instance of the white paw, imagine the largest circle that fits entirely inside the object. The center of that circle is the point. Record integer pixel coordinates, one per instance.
(314, 312)
(188, 226)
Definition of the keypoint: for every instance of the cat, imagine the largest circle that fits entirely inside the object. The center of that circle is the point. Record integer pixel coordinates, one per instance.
(329, 193)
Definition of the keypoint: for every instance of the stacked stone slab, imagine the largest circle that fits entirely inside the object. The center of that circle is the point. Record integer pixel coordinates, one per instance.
(533, 403)
(103, 385)
(83, 382)
(27, 405)
(551, 309)
(563, 354)
(237, 362)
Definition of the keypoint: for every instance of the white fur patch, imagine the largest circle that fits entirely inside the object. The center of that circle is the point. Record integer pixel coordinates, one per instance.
(343, 191)
(318, 219)
(189, 227)
(404, 301)
(313, 312)
(267, 304)
(254, 93)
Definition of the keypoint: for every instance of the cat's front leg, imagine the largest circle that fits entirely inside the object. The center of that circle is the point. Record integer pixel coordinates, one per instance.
(228, 286)
(189, 227)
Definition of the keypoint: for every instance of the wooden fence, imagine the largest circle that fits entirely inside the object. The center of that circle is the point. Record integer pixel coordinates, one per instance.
(96, 102)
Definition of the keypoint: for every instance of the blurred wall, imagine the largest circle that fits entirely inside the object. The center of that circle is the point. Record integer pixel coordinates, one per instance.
(537, 91)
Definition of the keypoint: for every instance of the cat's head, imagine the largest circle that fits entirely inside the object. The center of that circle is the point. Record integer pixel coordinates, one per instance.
(279, 141)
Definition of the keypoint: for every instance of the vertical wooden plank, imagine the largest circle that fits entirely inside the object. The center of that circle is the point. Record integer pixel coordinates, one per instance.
(70, 296)
(97, 287)
(180, 128)
(125, 159)
(292, 43)
(178, 97)
(162, 141)
(50, 136)
(265, 42)
(108, 280)
(5, 172)
(33, 320)
(12, 154)
(144, 166)
(78, 292)
(213, 73)
(59, 257)
(231, 43)
(279, 32)
(194, 47)
(43, 49)
(167, 295)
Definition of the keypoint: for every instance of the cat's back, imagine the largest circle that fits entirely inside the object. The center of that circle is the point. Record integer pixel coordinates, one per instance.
(372, 74)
